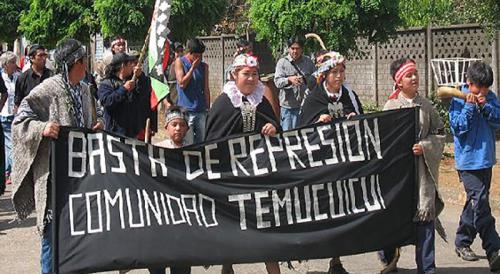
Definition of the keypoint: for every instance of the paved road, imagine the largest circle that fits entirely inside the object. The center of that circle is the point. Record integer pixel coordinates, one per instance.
(19, 252)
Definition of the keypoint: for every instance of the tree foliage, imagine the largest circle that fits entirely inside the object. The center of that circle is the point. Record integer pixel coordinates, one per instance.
(129, 19)
(338, 23)
(48, 21)
(9, 21)
(420, 13)
(484, 12)
(194, 17)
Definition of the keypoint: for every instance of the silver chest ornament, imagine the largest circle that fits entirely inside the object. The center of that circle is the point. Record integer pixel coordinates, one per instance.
(248, 114)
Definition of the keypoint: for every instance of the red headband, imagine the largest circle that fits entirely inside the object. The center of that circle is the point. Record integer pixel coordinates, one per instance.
(119, 40)
(400, 73)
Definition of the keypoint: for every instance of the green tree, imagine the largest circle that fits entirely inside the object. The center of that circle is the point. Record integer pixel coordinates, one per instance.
(195, 17)
(483, 12)
(338, 23)
(132, 18)
(9, 21)
(129, 19)
(420, 13)
(48, 21)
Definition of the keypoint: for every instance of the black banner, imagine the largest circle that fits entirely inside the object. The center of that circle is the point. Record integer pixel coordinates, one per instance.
(320, 191)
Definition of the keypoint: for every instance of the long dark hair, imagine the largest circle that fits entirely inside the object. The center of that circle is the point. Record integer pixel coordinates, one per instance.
(111, 70)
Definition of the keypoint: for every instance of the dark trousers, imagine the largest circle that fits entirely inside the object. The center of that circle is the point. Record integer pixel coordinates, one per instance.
(476, 216)
(173, 270)
(425, 254)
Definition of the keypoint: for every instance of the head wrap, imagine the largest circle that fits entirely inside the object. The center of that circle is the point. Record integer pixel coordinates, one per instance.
(117, 41)
(245, 60)
(175, 113)
(407, 67)
(328, 61)
(67, 53)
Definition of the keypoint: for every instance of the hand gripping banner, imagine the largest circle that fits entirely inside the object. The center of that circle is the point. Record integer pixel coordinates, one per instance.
(320, 191)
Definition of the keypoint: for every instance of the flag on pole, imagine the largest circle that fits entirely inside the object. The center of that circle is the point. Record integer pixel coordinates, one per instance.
(159, 51)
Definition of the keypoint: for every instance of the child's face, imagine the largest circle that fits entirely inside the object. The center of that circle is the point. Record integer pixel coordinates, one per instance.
(475, 89)
(176, 130)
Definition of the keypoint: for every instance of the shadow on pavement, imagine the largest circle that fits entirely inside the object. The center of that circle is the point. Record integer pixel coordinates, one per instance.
(9, 224)
(7, 214)
(5, 202)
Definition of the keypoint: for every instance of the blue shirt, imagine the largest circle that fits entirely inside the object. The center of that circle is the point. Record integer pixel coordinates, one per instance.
(473, 130)
(192, 97)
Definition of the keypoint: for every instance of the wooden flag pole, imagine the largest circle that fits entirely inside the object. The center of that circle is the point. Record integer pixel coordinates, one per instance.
(144, 49)
(147, 133)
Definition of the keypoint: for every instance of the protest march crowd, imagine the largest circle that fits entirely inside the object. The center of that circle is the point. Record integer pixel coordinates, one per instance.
(36, 101)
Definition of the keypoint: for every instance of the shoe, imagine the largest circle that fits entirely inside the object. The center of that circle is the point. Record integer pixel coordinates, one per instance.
(466, 254)
(337, 269)
(494, 261)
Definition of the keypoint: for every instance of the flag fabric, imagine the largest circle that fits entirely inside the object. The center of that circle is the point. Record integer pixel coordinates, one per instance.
(159, 51)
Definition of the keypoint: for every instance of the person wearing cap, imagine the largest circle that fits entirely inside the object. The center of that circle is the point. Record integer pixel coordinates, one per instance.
(125, 102)
(242, 108)
(9, 75)
(428, 151)
(33, 76)
(61, 100)
(193, 89)
(330, 100)
(293, 77)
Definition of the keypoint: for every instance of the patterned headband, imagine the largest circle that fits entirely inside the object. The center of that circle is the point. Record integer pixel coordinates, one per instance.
(245, 60)
(406, 68)
(334, 59)
(116, 41)
(175, 114)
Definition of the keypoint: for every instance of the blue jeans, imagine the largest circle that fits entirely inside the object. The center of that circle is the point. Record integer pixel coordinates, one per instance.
(7, 124)
(425, 250)
(46, 252)
(476, 216)
(289, 118)
(196, 123)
